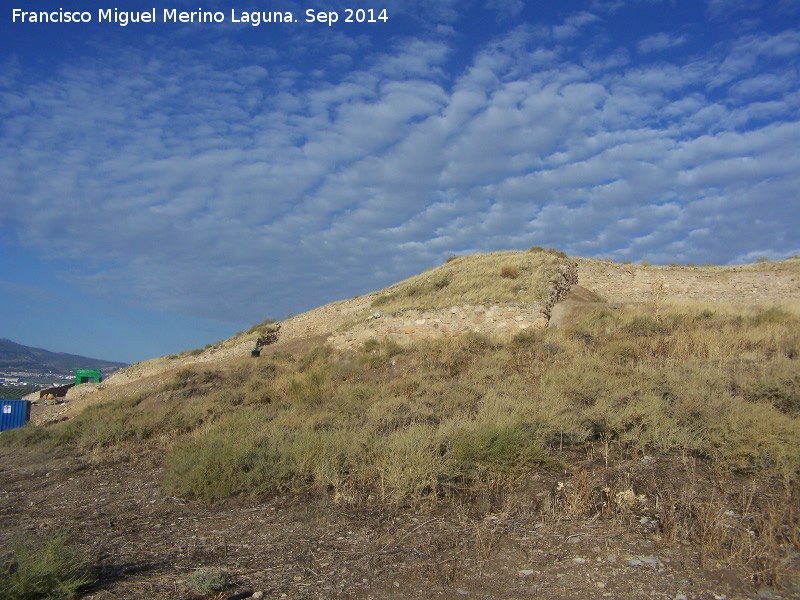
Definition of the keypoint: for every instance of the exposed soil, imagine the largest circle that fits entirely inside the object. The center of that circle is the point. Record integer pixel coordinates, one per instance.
(144, 544)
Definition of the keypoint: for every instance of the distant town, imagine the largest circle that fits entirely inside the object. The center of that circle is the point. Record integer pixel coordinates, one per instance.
(25, 370)
(18, 384)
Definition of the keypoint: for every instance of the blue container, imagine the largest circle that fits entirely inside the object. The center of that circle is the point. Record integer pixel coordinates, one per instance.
(14, 413)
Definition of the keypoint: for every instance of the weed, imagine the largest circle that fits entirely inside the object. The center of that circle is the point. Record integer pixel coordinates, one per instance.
(773, 314)
(207, 581)
(48, 566)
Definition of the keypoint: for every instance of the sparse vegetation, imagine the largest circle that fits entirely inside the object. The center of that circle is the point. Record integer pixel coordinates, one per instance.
(720, 387)
(438, 421)
(262, 327)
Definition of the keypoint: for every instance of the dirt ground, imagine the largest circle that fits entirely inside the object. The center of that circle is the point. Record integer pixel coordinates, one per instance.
(144, 544)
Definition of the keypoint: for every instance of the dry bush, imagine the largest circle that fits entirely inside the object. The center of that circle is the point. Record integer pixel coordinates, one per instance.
(509, 272)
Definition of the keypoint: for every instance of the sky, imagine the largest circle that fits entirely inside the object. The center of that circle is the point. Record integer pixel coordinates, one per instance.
(166, 184)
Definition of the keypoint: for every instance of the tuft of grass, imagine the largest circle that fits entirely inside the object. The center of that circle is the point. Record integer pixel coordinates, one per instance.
(43, 567)
(262, 327)
(207, 581)
(509, 272)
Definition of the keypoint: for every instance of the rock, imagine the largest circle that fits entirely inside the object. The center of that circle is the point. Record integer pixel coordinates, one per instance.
(650, 561)
(527, 573)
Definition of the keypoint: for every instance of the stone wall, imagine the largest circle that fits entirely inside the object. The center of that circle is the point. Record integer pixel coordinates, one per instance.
(502, 319)
(766, 284)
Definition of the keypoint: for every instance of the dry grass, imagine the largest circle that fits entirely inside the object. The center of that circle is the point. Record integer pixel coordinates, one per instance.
(478, 279)
(713, 387)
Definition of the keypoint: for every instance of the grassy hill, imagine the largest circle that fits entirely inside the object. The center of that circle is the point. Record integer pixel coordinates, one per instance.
(692, 385)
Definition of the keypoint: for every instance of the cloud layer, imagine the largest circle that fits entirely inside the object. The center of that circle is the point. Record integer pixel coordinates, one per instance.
(234, 184)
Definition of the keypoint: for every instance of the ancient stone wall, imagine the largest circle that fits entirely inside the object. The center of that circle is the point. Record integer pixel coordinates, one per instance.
(770, 284)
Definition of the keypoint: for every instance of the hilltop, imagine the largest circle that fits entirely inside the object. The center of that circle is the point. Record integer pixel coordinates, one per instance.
(473, 283)
(515, 424)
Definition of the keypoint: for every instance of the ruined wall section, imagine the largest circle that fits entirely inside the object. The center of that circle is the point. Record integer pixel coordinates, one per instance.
(758, 285)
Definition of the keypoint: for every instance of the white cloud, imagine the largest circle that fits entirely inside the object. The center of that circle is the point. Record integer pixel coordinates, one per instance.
(241, 191)
(573, 24)
(661, 41)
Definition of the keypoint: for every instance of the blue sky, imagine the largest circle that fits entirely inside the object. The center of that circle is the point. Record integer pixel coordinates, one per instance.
(165, 185)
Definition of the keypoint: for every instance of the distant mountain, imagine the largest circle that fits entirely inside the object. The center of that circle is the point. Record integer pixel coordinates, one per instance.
(16, 357)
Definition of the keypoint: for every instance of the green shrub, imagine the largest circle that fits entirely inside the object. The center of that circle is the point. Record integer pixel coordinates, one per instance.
(642, 325)
(371, 345)
(781, 391)
(28, 435)
(48, 567)
(498, 449)
(232, 458)
(207, 581)
(773, 314)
